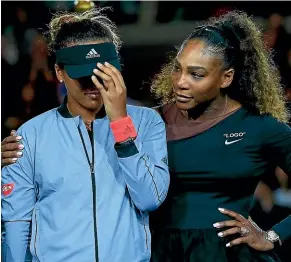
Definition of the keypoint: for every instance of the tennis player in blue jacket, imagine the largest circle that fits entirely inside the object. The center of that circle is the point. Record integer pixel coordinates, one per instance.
(92, 169)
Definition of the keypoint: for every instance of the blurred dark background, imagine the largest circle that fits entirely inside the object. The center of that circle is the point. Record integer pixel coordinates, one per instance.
(150, 31)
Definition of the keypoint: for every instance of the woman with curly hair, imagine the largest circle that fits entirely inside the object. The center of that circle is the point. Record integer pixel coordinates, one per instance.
(225, 118)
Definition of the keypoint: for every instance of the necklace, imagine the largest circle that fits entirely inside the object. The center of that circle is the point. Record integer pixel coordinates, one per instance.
(86, 122)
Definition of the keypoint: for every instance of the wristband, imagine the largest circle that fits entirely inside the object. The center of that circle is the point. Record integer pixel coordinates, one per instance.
(123, 129)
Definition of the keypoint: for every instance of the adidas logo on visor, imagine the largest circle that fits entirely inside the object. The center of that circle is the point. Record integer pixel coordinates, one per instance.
(92, 54)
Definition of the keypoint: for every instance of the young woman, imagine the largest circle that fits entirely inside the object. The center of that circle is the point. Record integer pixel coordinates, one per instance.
(224, 115)
(93, 168)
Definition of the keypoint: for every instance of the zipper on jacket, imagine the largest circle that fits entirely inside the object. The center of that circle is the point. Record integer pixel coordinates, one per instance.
(92, 171)
(35, 236)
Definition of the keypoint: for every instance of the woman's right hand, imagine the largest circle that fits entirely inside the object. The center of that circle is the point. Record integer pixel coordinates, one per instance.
(11, 149)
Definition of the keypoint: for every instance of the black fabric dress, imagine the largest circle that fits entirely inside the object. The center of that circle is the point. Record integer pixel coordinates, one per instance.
(219, 167)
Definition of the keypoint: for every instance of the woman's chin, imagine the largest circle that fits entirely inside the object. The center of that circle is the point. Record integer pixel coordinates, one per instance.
(185, 105)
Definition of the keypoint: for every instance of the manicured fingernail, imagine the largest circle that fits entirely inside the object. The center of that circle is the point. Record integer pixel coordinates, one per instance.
(227, 245)
(216, 225)
(93, 77)
(21, 146)
(220, 234)
(14, 159)
(99, 64)
(221, 209)
(95, 70)
(18, 138)
(107, 64)
(19, 153)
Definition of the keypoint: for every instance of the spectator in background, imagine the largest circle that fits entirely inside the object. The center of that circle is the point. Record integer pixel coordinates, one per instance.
(8, 68)
(41, 78)
(23, 52)
(278, 39)
(38, 92)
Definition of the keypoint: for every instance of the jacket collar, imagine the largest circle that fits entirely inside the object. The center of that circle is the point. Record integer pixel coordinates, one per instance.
(64, 111)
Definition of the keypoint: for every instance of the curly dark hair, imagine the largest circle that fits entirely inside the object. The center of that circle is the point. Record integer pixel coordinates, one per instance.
(238, 42)
(69, 28)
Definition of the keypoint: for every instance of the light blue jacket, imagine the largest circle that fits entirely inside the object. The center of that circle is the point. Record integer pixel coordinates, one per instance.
(57, 200)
